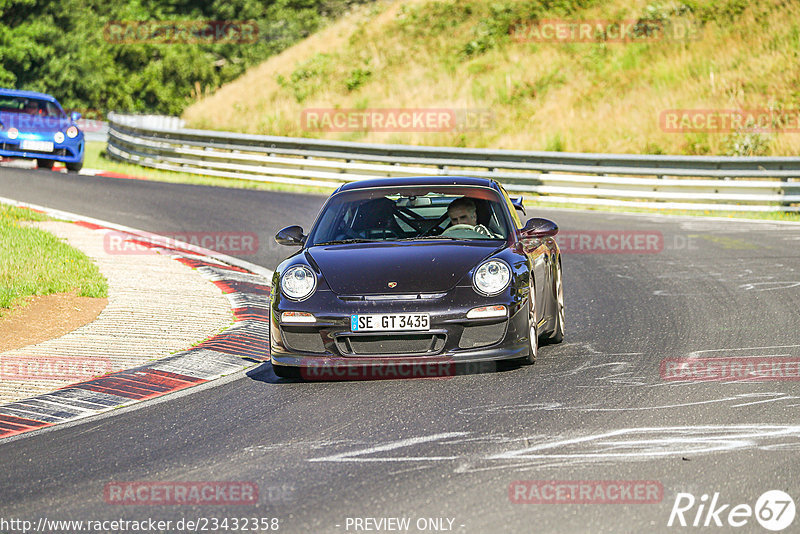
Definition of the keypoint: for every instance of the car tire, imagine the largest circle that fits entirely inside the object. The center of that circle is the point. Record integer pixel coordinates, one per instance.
(74, 167)
(45, 163)
(286, 371)
(533, 331)
(557, 335)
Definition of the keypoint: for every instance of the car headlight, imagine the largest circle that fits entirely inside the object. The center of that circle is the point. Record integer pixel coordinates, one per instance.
(491, 277)
(72, 132)
(298, 282)
(58, 137)
(13, 133)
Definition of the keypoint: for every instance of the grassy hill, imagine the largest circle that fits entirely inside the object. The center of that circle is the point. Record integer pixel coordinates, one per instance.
(597, 96)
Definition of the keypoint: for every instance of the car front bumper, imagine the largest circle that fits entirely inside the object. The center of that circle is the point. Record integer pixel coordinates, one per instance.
(71, 151)
(452, 338)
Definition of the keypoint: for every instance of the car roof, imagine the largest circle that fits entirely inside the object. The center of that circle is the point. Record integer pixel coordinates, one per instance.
(30, 94)
(420, 180)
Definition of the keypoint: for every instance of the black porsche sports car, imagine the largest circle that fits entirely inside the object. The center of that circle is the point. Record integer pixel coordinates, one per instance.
(385, 275)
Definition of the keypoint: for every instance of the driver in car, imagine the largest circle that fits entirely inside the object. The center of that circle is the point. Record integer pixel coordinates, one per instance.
(31, 108)
(463, 211)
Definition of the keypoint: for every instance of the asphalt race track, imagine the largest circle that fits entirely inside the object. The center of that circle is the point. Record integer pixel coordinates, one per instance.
(599, 407)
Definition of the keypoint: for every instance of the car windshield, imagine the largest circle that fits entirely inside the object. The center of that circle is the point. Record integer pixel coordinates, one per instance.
(411, 214)
(29, 106)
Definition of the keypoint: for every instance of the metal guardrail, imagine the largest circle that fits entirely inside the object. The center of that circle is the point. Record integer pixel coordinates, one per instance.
(670, 182)
(97, 132)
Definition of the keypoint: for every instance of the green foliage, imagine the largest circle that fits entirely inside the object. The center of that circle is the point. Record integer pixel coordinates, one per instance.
(653, 148)
(697, 144)
(658, 11)
(556, 143)
(67, 49)
(721, 11)
(433, 18)
(357, 78)
(307, 77)
(520, 90)
(495, 28)
(747, 144)
(498, 23)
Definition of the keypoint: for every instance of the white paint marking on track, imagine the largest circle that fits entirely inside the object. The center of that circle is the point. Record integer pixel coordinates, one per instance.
(761, 286)
(785, 397)
(666, 441)
(609, 447)
(352, 456)
(557, 406)
(770, 347)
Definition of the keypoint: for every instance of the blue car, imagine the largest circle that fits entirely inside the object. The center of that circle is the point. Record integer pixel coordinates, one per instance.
(34, 125)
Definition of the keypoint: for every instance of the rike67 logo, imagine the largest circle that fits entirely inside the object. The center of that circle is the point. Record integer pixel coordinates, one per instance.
(774, 510)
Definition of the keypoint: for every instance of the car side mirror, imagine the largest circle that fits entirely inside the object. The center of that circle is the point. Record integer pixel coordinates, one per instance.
(291, 235)
(538, 228)
(518, 204)
(74, 116)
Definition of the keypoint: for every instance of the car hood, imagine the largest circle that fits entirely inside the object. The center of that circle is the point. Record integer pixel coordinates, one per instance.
(33, 123)
(416, 266)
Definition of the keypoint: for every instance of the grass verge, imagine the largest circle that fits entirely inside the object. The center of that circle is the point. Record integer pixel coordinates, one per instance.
(36, 262)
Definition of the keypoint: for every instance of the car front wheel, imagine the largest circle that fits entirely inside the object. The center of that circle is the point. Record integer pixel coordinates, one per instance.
(557, 335)
(533, 332)
(45, 163)
(75, 167)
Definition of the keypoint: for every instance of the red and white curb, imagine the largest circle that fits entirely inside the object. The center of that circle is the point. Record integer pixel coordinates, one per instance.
(246, 342)
(107, 174)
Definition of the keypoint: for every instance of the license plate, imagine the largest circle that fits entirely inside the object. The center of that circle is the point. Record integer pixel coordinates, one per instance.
(376, 322)
(38, 146)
